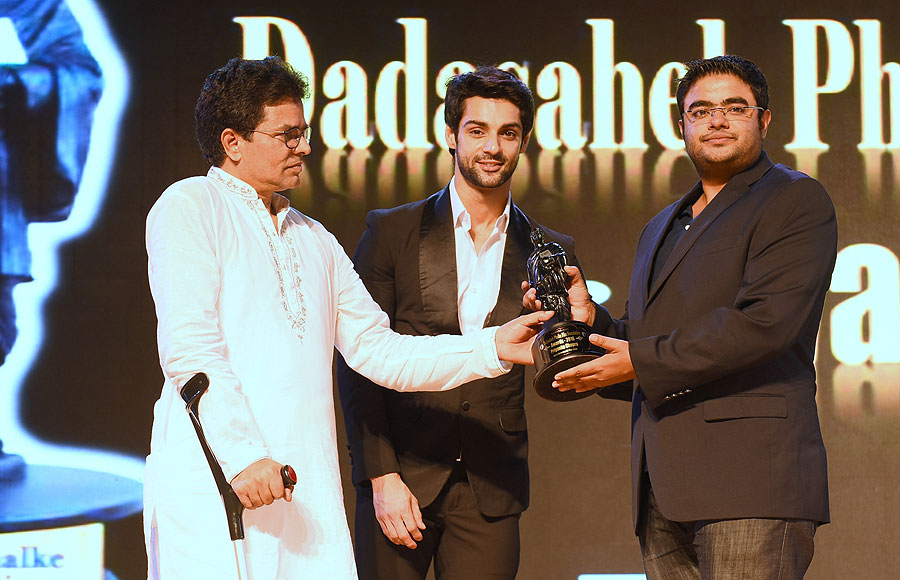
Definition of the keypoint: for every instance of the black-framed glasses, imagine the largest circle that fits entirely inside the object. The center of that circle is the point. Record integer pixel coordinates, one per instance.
(731, 112)
(291, 137)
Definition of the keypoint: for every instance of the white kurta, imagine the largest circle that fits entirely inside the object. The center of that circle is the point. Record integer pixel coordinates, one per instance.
(260, 310)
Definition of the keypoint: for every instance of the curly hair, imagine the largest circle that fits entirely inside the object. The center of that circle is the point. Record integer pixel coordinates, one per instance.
(235, 96)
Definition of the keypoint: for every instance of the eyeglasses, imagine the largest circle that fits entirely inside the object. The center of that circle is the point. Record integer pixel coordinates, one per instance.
(731, 113)
(291, 137)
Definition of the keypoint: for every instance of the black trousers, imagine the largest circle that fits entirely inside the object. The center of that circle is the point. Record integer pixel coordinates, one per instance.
(463, 543)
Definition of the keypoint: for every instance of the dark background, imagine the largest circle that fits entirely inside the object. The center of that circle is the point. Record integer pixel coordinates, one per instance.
(96, 375)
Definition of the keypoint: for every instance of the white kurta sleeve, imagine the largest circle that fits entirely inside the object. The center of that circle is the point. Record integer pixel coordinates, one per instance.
(402, 362)
(185, 276)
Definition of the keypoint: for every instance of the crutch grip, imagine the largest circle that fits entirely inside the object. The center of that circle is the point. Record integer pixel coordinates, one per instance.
(288, 476)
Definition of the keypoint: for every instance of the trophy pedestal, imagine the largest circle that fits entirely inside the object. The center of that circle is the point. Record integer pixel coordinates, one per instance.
(557, 348)
(544, 379)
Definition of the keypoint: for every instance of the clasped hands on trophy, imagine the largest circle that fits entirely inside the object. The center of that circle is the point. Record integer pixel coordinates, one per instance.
(570, 362)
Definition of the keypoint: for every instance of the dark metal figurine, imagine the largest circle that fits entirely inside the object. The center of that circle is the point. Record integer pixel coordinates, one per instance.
(563, 343)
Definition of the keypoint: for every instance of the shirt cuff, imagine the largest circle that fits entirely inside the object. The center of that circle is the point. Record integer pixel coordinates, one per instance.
(496, 366)
(232, 469)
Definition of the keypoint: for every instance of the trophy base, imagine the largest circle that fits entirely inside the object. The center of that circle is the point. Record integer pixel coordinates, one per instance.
(543, 381)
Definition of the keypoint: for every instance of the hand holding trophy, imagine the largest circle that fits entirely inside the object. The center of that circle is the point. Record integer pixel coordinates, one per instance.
(563, 343)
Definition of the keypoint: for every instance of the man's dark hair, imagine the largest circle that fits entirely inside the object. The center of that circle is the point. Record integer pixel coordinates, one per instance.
(234, 96)
(487, 82)
(728, 64)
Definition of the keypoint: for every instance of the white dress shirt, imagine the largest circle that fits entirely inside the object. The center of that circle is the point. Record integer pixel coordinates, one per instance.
(260, 308)
(477, 273)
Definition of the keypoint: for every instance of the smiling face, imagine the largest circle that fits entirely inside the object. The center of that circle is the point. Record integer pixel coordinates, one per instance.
(487, 143)
(720, 146)
(261, 159)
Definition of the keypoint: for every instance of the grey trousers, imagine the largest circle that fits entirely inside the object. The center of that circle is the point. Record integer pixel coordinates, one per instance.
(741, 549)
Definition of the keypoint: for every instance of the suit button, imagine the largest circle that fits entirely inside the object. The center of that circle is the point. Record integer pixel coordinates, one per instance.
(465, 405)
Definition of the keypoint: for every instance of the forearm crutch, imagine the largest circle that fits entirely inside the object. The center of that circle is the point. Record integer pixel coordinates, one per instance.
(234, 509)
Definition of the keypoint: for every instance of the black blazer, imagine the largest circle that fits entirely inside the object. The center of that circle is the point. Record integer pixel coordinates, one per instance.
(724, 409)
(407, 260)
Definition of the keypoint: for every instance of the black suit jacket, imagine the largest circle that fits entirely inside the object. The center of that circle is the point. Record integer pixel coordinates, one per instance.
(407, 260)
(724, 410)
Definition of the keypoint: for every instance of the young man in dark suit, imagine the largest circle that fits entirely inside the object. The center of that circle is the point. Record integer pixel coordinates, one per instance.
(729, 470)
(444, 477)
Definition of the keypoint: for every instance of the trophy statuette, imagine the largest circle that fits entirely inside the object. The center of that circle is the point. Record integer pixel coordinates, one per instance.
(563, 343)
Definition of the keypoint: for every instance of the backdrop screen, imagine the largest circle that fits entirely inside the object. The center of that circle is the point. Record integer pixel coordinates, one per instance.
(104, 124)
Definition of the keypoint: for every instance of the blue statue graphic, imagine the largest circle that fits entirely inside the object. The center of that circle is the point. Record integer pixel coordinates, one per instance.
(63, 87)
(49, 89)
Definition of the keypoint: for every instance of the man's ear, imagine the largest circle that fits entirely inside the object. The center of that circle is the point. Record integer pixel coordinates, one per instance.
(450, 136)
(765, 118)
(681, 128)
(231, 142)
(524, 145)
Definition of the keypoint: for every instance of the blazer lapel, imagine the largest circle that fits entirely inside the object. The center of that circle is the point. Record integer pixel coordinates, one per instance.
(655, 233)
(733, 190)
(512, 273)
(437, 265)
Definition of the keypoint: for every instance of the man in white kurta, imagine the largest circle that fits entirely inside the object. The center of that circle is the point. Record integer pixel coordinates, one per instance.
(257, 295)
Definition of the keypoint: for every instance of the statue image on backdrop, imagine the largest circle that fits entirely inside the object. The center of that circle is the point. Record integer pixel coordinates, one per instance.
(49, 87)
(57, 123)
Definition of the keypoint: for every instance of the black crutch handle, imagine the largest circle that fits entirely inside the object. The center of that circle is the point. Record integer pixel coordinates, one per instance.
(234, 509)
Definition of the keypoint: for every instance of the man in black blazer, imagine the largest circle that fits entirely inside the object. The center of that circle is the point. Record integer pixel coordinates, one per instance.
(729, 470)
(444, 476)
